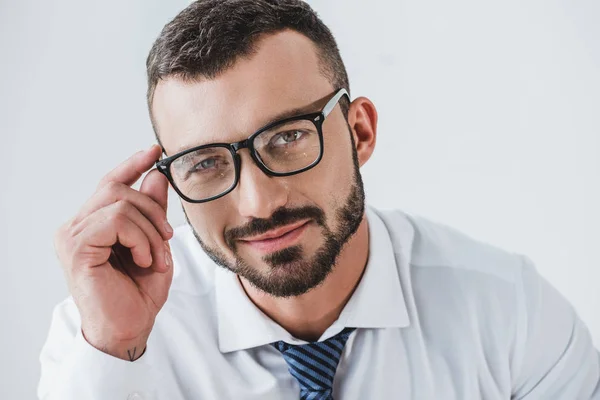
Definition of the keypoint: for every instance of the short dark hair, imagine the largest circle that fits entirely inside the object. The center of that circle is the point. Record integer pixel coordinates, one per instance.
(209, 36)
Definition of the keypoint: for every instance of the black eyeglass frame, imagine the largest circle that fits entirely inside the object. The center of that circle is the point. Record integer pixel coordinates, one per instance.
(317, 118)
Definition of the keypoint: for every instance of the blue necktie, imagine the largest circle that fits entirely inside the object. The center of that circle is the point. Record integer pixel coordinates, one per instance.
(314, 364)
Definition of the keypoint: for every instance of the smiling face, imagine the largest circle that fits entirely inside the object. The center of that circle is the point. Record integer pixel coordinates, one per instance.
(283, 234)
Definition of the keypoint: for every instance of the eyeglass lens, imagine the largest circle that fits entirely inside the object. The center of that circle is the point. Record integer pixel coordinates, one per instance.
(284, 148)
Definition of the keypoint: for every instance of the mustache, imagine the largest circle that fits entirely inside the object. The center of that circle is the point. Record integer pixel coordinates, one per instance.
(280, 217)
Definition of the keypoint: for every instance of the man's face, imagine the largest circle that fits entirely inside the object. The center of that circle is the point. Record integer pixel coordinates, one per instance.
(283, 234)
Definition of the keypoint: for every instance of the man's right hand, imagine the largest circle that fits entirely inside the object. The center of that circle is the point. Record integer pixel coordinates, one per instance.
(117, 259)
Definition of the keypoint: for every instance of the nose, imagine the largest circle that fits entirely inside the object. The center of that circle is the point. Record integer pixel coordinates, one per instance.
(259, 194)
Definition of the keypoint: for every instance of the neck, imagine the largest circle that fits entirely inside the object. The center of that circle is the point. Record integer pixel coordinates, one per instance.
(307, 316)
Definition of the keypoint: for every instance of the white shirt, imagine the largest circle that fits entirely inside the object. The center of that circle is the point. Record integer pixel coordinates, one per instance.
(438, 316)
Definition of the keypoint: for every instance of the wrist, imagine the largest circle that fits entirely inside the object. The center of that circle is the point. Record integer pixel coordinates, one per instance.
(128, 350)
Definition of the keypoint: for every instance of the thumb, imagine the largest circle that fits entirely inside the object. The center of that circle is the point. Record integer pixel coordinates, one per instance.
(156, 186)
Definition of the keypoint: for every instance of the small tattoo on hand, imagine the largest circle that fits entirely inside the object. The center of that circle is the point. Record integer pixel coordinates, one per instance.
(131, 356)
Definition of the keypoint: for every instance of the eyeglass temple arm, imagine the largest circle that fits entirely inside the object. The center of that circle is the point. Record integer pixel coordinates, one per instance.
(331, 103)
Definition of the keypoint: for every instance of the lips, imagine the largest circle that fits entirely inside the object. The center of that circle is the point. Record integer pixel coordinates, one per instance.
(277, 239)
(275, 233)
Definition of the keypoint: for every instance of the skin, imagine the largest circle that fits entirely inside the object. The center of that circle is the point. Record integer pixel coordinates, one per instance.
(283, 74)
(114, 251)
(116, 257)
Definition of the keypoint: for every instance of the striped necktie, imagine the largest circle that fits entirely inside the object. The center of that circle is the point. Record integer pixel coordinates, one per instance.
(314, 364)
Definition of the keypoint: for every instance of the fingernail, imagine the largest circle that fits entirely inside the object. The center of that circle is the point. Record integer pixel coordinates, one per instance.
(168, 227)
(167, 255)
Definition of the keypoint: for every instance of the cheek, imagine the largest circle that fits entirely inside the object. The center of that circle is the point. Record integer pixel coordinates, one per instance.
(328, 184)
(337, 173)
(337, 163)
(209, 221)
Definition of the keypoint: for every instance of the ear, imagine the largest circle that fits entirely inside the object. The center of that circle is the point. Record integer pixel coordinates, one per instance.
(362, 118)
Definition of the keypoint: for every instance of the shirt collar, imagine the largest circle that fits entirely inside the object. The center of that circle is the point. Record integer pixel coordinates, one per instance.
(377, 302)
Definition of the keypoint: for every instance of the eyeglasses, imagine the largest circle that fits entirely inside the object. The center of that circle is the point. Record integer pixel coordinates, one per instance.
(282, 148)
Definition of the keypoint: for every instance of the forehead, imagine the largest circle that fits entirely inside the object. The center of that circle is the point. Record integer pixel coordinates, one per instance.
(283, 74)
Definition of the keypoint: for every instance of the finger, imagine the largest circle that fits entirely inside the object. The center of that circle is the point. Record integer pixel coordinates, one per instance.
(104, 229)
(156, 186)
(140, 249)
(131, 169)
(156, 243)
(114, 192)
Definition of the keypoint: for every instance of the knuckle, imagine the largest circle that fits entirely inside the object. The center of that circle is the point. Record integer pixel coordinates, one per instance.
(62, 236)
(118, 218)
(112, 188)
(122, 207)
(76, 246)
(67, 259)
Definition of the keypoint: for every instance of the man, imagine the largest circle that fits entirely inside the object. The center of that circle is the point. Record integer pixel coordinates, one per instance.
(283, 285)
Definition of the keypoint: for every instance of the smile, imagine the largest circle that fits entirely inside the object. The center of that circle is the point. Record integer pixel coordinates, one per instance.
(277, 239)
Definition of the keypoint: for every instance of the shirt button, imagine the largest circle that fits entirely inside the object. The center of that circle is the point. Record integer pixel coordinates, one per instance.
(135, 396)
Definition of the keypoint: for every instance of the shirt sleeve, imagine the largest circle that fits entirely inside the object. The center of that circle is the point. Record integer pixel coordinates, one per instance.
(554, 357)
(72, 369)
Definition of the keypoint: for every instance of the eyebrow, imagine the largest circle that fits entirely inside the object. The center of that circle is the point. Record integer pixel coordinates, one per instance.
(208, 150)
(311, 108)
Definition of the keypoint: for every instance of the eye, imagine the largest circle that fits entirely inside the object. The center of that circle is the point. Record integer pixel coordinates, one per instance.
(209, 165)
(285, 138)
(205, 164)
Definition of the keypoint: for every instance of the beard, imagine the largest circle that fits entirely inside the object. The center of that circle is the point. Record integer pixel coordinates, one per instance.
(291, 272)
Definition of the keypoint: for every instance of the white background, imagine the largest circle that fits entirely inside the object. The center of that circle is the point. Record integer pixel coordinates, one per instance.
(489, 122)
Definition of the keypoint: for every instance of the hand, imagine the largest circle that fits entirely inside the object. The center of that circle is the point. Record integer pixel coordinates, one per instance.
(116, 257)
